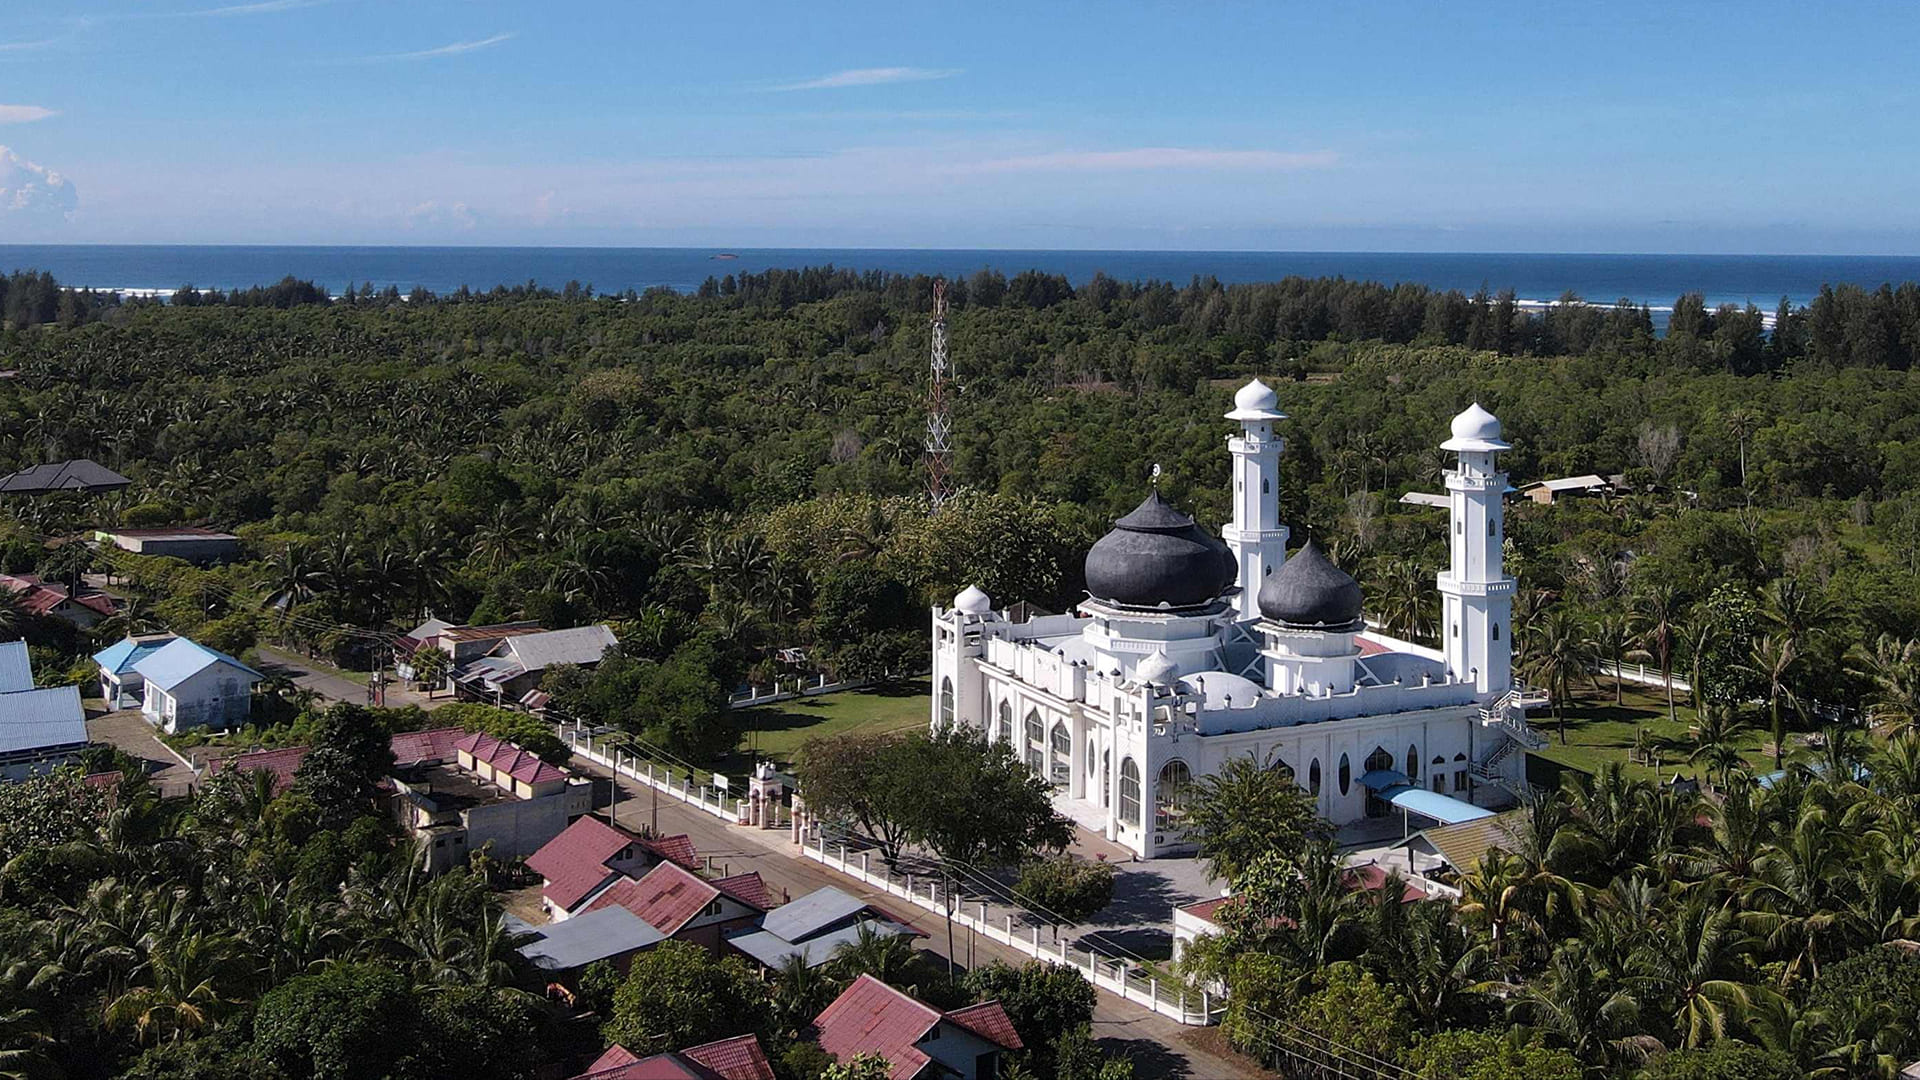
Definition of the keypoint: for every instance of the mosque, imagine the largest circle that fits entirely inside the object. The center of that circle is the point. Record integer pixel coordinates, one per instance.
(1192, 649)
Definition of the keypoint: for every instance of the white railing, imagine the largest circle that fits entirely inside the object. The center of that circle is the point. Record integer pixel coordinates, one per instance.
(1113, 974)
(713, 800)
(1642, 674)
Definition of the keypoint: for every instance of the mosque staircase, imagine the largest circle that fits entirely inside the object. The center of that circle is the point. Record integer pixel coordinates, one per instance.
(1506, 718)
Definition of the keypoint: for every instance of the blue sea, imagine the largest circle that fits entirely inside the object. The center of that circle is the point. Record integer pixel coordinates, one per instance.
(1655, 280)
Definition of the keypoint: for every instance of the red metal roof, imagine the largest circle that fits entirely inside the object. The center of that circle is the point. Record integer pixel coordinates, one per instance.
(735, 1059)
(510, 759)
(989, 1021)
(426, 747)
(746, 888)
(282, 763)
(575, 862)
(667, 898)
(874, 1018)
(677, 848)
(38, 597)
(1372, 877)
(1369, 647)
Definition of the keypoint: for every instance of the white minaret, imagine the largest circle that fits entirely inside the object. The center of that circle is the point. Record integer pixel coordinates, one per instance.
(1476, 594)
(1255, 536)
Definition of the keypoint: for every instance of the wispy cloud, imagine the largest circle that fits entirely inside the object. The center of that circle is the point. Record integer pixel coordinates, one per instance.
(455, 49)
(1159, 157)
(23, 114)
(870, 77)
(264, 7)
(27, 46)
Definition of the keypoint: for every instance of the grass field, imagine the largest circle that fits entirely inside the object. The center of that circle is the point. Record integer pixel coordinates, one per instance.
(777, 731)
(1598, 731)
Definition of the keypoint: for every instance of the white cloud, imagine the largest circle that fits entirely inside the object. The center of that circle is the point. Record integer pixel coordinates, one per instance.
(455, 49)
(871, 77)
(34, 191)
(432, 215)
(264, 7)
(1159, 157)
(23, 114)
(27, 46)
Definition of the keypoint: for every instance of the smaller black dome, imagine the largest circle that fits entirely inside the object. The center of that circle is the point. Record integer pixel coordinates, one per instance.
(1311, 593)
(1156, 555)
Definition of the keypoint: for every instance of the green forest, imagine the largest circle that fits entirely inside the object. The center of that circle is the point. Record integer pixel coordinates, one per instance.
(738, 470)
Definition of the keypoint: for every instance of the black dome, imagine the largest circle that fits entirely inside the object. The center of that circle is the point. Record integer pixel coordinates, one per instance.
(1309, 591)
(1157, 555)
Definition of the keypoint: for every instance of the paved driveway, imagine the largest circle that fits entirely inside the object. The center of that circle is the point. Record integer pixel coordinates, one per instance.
(129, 731)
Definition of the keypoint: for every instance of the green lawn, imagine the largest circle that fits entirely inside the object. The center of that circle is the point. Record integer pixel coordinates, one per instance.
(1598, 731)
(777, 731)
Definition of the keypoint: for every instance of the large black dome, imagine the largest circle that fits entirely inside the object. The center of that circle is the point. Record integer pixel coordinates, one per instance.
(1157, 555)
(1308, 591)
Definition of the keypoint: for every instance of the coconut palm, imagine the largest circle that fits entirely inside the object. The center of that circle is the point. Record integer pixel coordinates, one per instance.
(182, 989)
(1699, 963)
(872, 952)
(1656, 620)
(1610, 638)
(1774, 660)
(1892, 668)
(1558, 655)
(1585, 1007)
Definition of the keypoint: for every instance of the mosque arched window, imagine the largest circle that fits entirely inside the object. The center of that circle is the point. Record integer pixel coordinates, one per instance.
(1496, 631)
(1346, 774)
(1378, 761)
(946, 702)
(1129, 792)
(1413, 763)
(1285, 770)
(1036, 743)
(1170, 795)
(1005, 734)
(1061, 743)
(1313, 777)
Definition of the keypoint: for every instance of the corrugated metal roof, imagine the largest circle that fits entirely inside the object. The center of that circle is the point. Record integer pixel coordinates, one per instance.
(580, 645)
(76, 475)
(1444, 809)
(16, 667)
(575, 862)
(120, 657)
(668, 897)
(738, 1058)
(1465, 844)
(808, 915)
(181, 659)
(595, 935)
(771, 950)
(36, 719)
(871, 1017)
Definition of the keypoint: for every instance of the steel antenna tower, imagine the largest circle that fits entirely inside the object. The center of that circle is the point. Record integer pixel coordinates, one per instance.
(939, 424)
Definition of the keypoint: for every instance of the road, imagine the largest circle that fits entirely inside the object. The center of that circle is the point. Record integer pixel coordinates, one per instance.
(1159, 1046)
(331, 685)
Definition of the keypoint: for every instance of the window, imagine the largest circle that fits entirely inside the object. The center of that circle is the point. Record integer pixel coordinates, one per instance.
(1459, 528)
(1062, 745)
(1129, 792)
(1496, 631)
(1456, 629)
(1459, 779)
(1036, 762)
(1280, 766)
(1006, 722)
(1089, 769)
(1263, 485)
(1313, 776)
(1489, 526)
(1440, 783)
(1035, 733)
(713, 908)
(1346, 774)
(1379, 760)
(946, 702)
(1106, 778)
(1413, 763)
(1170, 795)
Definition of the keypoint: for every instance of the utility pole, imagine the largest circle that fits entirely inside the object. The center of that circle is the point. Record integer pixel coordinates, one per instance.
(939, 423)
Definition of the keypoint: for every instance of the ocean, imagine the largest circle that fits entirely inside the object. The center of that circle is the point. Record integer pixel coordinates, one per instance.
(1655, 280)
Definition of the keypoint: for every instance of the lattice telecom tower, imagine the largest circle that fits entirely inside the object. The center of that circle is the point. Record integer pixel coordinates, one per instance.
(939, 424)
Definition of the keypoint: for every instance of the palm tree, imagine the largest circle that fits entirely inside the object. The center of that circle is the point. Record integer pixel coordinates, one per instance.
(1699, 964)
(1892, 668)
(884, 956)
(1741, 424)
(182, 995)
(1699, 636)
(1791, 901)
(1494, 894)
(292, 578)
(1440, 966)
(1713, 742)
(1773, 660)
(1610, 637)
(1558, 654)
(1655, 614)
(800, 991)
(1583, 1006)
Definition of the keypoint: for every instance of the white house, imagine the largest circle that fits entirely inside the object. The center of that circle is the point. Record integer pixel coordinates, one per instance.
(1189, 651)
(40, 729)
(120, 684)
(188, 685)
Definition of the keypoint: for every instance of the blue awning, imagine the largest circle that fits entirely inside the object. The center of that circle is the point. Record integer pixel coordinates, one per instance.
(1444, 809)
(1382, 779)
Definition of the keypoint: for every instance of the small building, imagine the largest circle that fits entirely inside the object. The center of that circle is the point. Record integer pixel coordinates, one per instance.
(684, 906)
(464, 644)
(814, 927)
(40, 729)
(410, 749)
(1444, 853)
(186, 542)
(590, 855)
(514, 666)
(1424, 498)
(50, 600)
(916, 1039)
(561, 951)
(120, 684)
(1548, 492)
(491, 794)
(739, 1058)
(79, 474)
(187, 685)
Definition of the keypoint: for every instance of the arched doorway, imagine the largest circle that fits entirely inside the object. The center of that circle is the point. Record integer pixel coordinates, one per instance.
(1060, 742)
(1170, 795)
(1129, 793)
(946, 702)
(1378, 761)
(1036, 737)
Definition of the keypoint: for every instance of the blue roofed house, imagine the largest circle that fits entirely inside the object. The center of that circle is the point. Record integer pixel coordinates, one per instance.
(188, 685)
(40, 729)
(121, 685)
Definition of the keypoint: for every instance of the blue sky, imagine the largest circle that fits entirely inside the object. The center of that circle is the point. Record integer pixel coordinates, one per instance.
(1756, 127)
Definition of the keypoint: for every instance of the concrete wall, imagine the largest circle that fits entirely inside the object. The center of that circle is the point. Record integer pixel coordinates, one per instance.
(515, 827)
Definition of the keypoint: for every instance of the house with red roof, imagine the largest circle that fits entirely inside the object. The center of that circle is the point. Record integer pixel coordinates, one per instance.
(590, 855)
(738, 1058)
(410, 750)
(916, 1039)
(493, 794)
(684, 906)
(82, 607)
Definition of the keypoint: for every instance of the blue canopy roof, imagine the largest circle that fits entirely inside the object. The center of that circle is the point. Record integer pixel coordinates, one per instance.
(180, 660)
(1444, 809)
(120, 656)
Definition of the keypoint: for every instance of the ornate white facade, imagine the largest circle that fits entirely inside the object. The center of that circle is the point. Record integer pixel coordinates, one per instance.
(1189, 650)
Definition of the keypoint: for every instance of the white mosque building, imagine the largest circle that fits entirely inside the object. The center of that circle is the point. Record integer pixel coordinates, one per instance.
(1190, 650)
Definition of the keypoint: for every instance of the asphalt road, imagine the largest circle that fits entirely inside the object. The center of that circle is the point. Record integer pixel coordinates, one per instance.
(1159, 1046)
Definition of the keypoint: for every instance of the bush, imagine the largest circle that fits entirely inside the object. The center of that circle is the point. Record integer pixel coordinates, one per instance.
(1485, 1055)
(1886, 973)
(1071, 889)
(678, 995)
(1044, 1001)
(1724, 1060)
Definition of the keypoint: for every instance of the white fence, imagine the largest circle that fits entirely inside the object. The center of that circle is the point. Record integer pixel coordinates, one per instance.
(1112, 974)
(713, 800)
(1645, 676)
(787, 691)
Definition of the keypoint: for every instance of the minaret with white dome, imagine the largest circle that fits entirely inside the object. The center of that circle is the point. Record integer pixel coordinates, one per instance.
(1476, 593)
(1255, 535)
